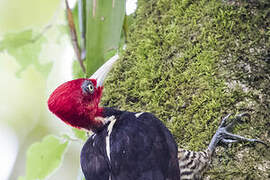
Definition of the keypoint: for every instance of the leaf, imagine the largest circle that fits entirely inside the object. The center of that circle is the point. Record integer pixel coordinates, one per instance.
(44, 157)
(80, 134)
(77, 70)
(19, 15)
(104, 25)
(128, 21)
(104, 21)
(25, 47)
(15, 40)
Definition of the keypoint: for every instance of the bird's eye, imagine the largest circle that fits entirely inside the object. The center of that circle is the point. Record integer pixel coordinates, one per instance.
(91, 88)
(88, 87)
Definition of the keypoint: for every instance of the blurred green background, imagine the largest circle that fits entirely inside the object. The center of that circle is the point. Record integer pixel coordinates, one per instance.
(35, 57)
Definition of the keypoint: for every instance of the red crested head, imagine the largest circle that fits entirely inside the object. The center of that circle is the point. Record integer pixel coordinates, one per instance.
(76, 103)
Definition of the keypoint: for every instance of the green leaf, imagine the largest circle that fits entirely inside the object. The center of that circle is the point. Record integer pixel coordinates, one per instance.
(80, 134)
(19, 15)
(44, 157)
(128, 21)
(25, 47)
(104, 23)
(15, 40)
(77, 70)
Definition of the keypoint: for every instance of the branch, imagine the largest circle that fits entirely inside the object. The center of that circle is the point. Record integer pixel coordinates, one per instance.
(74, 36)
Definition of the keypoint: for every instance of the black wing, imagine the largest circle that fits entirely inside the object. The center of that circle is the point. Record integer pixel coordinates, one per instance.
(94, 161)
(142, 148)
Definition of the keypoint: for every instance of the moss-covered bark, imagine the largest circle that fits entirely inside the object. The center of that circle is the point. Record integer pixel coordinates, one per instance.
(192, 62)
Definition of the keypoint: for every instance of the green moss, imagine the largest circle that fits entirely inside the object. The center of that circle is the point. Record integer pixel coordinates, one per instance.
(190, 63)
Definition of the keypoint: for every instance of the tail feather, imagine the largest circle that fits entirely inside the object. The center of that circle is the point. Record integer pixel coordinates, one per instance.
(193, 164)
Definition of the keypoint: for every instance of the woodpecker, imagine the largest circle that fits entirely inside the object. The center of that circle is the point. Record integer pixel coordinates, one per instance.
(126, 145)
(130, 145)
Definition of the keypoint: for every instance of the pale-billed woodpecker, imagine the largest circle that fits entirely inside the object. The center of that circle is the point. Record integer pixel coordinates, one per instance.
(130, 145)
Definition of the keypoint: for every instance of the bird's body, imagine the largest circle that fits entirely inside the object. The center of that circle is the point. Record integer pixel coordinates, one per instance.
(127, 145)
(131, 146)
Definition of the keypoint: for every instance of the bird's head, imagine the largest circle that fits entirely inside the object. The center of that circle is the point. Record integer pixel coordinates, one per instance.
(76, 103)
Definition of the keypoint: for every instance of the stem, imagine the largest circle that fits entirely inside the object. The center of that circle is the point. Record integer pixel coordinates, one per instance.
(74, 36)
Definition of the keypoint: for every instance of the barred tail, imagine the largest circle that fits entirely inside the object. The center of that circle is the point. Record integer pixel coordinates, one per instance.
(193, 164)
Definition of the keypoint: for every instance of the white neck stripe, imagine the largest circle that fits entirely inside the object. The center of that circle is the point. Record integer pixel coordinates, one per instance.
(107, 140)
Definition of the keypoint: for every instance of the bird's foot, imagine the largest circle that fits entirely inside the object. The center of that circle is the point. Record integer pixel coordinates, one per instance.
(224, 136)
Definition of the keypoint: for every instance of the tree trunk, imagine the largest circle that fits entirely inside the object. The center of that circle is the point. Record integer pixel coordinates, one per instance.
(192, 62)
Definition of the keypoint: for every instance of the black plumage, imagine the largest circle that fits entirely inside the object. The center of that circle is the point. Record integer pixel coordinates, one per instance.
(141, 148)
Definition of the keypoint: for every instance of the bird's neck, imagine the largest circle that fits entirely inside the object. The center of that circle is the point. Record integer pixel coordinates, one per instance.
(108, 112)
(105, 115)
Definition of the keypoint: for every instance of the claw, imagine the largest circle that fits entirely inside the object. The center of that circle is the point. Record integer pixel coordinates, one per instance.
(237, 119)
(239, 116)
(224, 135)
(223, 121)
(228, 141)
